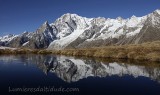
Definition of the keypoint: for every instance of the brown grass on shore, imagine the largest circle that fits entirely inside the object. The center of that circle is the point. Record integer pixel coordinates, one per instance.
(146, 51)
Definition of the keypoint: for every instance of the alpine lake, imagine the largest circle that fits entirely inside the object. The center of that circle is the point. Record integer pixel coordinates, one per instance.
(63, 75)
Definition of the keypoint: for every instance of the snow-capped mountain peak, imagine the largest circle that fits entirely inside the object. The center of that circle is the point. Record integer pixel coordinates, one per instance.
(133, 17)
(119, 18)
(95, 29)
(45, 23)
(157, 11)
(153, 19)
(7, 38)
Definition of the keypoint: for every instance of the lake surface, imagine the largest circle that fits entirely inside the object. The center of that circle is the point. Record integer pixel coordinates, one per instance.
(49, 74)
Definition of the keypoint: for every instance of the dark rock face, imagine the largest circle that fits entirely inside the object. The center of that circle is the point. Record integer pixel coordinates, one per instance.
(35, 40)
(42, 37)
(19, 40)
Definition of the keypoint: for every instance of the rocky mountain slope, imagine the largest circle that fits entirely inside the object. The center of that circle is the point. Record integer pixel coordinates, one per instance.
(41, 38)
(73, 31)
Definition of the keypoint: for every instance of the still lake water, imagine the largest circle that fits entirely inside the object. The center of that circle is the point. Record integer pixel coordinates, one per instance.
(49, 74)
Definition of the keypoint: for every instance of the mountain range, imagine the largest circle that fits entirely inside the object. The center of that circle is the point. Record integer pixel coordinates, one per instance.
(74, 31)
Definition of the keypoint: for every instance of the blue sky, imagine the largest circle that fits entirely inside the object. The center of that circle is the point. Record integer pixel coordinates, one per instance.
(16, 16)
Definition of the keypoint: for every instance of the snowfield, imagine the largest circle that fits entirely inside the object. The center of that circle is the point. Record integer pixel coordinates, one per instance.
(3, 48)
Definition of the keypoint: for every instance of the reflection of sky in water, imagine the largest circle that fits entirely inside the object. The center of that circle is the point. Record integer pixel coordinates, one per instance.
(68, 71)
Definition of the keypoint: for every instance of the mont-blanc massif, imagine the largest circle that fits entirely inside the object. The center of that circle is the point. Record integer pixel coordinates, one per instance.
(74, 31)
(79, 47)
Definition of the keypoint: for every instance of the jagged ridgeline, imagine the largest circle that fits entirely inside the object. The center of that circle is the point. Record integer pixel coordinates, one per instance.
(73, 31)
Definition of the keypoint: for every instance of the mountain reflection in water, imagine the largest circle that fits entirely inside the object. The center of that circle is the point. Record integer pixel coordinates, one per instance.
(70, 69)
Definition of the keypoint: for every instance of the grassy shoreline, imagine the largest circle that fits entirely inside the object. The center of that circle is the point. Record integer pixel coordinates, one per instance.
(147, 51)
